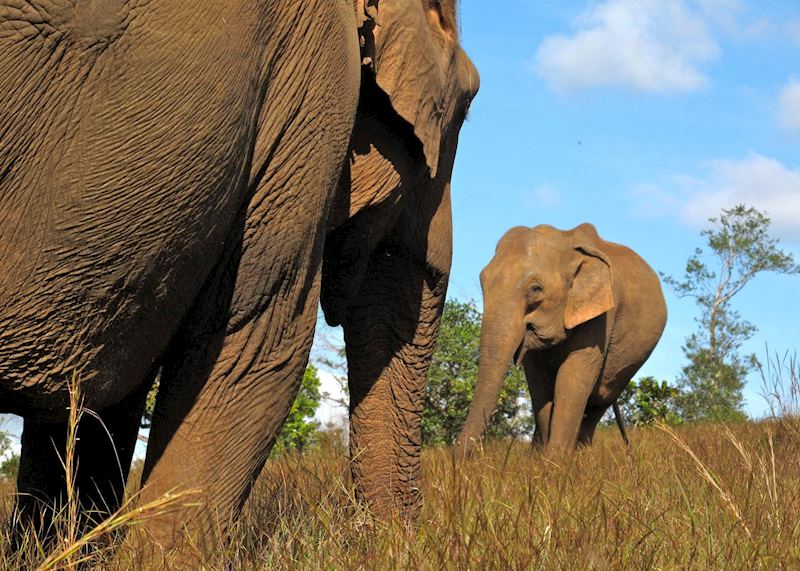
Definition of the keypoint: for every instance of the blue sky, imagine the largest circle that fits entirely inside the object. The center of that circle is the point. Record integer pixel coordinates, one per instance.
(645, 118)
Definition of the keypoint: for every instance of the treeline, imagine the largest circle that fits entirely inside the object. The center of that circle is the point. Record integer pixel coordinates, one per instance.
(738, 247)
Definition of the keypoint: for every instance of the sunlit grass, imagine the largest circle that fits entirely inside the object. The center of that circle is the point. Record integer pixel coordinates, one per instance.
(73, 543)
(697, 497)
(701, 497)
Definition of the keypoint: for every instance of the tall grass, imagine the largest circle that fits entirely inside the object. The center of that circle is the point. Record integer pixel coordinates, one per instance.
(718, 499)
(780, 388)
(698, 497)
(72, 542)
(706, 497)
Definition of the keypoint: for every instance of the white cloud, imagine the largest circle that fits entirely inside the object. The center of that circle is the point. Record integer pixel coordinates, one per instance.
(758, 181)
(544, 196)
(789, 105)
(330, 411)
(793, 29)
(646, 45)
(652, 201)
(723, 12)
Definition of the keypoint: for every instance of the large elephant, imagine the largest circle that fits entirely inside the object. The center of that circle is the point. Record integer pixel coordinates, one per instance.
(178, 183)
(579, 313)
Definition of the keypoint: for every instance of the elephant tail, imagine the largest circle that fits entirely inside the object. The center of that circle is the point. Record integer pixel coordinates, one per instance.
(620, 422)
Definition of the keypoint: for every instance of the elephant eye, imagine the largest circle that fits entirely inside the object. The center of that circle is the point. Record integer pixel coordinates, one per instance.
(534, 295)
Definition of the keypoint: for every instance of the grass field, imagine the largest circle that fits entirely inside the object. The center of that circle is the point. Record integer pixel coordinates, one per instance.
(704, 497)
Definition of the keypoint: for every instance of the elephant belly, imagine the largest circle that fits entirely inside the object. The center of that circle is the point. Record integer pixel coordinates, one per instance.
(618, 371)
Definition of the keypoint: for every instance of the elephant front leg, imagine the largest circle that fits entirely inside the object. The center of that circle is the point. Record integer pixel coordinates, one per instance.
(541, 386)
(575, 381)
(224, 396)
(390, 335)
(390, 339)
(591, 419)
(233, 370)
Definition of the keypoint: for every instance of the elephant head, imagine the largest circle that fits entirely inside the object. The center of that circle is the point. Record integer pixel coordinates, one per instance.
(541, 284)
(388, 250)
(417, 86)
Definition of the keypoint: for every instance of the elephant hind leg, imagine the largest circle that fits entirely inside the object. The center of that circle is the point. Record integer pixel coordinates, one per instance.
(40, 481)
(589, 424)
(103, 453)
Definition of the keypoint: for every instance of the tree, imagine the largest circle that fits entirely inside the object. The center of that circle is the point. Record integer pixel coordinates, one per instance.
(740, 248)
(150, 404)
(9, 467)
(9, 462)
(646, 401)
(300, 429)
(451, 382)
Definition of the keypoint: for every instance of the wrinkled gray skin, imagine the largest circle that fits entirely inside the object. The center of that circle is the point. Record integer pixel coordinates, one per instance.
(580, 314)
(178, 183)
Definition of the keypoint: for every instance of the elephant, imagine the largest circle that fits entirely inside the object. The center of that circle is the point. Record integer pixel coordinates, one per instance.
(181, 184)
(580, 314)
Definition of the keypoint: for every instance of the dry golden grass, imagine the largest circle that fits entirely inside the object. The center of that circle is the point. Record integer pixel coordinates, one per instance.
(73, 544)
(702, 497)
(705, 497)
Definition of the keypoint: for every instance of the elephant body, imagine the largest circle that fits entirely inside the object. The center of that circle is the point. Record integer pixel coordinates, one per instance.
(579, 313)
(173, 177)
(109, 234)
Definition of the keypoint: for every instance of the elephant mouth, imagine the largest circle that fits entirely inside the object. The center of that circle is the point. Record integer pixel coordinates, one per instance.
(529, 343)
(534, 341)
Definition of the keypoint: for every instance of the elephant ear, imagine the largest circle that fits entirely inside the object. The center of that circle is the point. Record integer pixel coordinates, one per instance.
(591, 293)
(409, 65)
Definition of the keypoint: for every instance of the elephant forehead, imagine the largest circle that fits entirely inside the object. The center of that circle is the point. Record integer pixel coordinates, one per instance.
(522, 238)
(524, 249)
(545, 250)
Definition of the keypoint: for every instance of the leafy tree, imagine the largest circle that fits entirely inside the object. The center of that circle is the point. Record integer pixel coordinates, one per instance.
(451, 382)
(9, 467)
(740, 248)
(646, 401)
(335, 363)
(300, 429)
(150, 404)
(9, 462)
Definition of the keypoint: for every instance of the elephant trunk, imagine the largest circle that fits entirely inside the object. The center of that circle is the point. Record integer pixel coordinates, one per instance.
(502, 333)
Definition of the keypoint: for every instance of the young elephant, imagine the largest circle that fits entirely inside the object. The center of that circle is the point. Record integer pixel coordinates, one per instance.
(580, 314)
